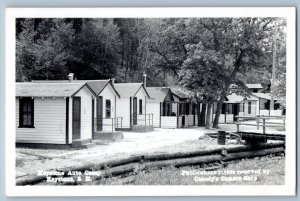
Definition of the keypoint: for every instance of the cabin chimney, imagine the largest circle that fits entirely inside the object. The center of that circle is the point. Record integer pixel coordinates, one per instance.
(144, 79)
(113, 80)
(71, 77)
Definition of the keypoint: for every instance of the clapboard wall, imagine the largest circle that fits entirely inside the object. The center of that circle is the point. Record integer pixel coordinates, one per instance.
(49, 122)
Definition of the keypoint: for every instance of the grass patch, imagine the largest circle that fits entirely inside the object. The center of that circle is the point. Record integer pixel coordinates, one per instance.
(250, 171)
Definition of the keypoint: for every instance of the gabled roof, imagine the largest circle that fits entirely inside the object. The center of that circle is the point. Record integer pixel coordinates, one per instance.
(157, 94)
(129, 89)
(254, 86)
(49, 89)
(235, 98)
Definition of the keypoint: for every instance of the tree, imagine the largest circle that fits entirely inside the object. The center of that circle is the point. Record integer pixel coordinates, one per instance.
(24, 52)
(227, 48)
(43, 49)
(96, 50)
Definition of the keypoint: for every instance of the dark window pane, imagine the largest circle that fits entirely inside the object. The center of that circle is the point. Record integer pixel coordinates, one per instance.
(26, 112)
(141, 106)
(108, 108)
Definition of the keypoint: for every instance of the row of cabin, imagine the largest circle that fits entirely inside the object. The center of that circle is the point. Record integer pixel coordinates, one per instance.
(258, 103)
(68, 111)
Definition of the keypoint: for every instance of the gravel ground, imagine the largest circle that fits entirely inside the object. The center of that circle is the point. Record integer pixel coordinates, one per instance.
(29, 160)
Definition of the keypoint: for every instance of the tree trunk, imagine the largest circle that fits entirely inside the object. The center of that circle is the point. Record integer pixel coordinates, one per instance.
(198, 114)
(218, 111)
(203, 112)
(208, 116)
(227, 84)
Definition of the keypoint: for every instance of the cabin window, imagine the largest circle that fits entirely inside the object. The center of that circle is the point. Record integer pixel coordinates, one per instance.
(249, 107)
(26, 112)
(254, 90)
(140, 106)
(108, 108)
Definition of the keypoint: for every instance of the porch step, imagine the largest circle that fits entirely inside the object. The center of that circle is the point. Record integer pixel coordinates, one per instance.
(88, 145)
(136, 128)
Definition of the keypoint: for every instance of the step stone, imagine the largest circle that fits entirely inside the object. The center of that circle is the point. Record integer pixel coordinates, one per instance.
(88, 145)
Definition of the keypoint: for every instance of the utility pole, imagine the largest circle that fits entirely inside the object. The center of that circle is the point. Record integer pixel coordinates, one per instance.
(273, 71)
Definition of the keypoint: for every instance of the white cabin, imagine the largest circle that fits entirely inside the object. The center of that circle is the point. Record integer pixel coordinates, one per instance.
(53, 113)
(105, 108)
(131, 106)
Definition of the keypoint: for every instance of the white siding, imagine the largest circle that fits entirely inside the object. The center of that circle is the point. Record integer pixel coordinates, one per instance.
(190, 120)
(254, 108)
(264, 112)
(49, 122)
(169, 122)
(123, 107)
(109, 94)
(229, 118)
(86, 113)
(275, 112)
(141, 94)
(154, 108)
(70, 120)
(180, 122)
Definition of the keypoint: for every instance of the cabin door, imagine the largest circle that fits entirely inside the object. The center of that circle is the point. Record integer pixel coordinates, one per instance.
(76, 117)
(134, 111)
(100, 114)
(235, 111)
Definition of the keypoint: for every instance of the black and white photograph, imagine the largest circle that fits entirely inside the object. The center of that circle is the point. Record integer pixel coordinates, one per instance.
(140, 98)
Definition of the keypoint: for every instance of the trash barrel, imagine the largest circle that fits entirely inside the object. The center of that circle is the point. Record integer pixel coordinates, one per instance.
(221, 137)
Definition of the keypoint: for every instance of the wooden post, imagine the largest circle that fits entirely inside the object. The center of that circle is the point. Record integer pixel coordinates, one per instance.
(178, 115)
(152, 118)
(284, 124)
(257, 121)
(264, 124)
(225, 113)
(112, 125)
(238, 125)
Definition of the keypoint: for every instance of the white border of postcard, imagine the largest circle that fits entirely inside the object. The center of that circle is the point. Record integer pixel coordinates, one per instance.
(160, 12)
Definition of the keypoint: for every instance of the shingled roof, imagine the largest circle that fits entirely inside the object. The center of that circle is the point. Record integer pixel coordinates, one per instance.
(128, 89)
(96, 85)
(179, 92)
(48, 89)
(157, 94)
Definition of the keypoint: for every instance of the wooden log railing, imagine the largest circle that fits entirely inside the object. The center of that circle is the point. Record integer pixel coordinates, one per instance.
(141, 162)
(264, 124)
